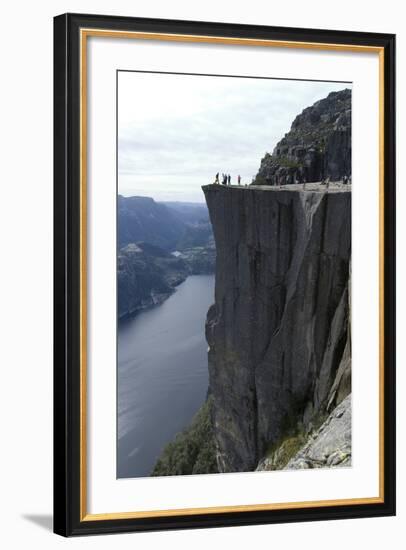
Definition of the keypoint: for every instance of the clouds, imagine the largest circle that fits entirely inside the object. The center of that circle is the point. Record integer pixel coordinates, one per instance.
(176, 131)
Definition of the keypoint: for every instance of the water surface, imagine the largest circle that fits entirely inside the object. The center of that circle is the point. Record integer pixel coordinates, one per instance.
(162, 374)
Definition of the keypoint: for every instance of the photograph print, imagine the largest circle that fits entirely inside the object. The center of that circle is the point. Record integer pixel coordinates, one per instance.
(233, 274)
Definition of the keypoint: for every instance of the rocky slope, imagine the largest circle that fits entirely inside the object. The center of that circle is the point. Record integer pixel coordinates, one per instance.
(146, 276)
(328, 446)
(278, 333)
(317, 146)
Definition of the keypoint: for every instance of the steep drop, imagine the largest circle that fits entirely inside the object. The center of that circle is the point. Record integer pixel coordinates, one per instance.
(278, 333)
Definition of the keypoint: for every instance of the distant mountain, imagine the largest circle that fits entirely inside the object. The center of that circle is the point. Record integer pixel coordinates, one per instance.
(196, 235)
(317, 146)
(143, 219)
(169, 225)
(159, 246)
(189, 212)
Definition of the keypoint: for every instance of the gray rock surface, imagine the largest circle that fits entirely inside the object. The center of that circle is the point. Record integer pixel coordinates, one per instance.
(317, 146)
(278, 331)
(330, 446)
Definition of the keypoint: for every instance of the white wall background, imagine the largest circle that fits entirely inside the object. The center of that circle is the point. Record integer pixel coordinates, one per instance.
(26, 270)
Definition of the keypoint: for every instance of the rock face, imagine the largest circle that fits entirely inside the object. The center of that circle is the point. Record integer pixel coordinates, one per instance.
(278, 333)
(317, 146)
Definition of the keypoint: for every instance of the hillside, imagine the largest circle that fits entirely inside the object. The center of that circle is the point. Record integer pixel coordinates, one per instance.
(317, 146)
(146, 275)
(160, 244)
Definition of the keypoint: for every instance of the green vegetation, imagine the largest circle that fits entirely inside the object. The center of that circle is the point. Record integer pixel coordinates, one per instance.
(192, 451)
(289, 444)
(282, 451)
(259, 180)
(289, 163)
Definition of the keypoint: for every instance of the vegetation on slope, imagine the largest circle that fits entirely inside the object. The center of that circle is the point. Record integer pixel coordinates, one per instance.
(192, 451)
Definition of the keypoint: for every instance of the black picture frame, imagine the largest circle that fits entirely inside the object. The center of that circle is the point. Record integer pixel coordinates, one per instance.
(68, 520)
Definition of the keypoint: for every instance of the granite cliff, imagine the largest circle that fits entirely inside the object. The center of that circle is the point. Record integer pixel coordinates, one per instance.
(317, 146)
(278, 332)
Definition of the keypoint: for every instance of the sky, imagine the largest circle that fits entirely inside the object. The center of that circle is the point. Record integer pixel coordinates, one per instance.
(175, 132)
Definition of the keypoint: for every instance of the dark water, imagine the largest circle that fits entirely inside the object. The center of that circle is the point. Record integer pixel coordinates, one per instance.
(162, 374)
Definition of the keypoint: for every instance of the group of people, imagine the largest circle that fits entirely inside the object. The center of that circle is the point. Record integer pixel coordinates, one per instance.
(225, 179)
(346, 180)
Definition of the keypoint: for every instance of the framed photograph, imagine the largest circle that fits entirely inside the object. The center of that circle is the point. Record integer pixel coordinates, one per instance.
(224, 274)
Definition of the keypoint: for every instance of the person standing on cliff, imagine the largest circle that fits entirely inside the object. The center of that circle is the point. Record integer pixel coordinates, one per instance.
(239, 179)
(216, 181)
(229, 179)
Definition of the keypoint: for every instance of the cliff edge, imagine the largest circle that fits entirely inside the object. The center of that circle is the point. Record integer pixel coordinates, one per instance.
(278, 332)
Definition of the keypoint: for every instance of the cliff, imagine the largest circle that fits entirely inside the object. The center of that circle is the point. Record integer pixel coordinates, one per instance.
(278, 333)
(317, 146)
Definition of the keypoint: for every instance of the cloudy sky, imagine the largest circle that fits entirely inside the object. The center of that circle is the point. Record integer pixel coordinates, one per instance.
(176, 131)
